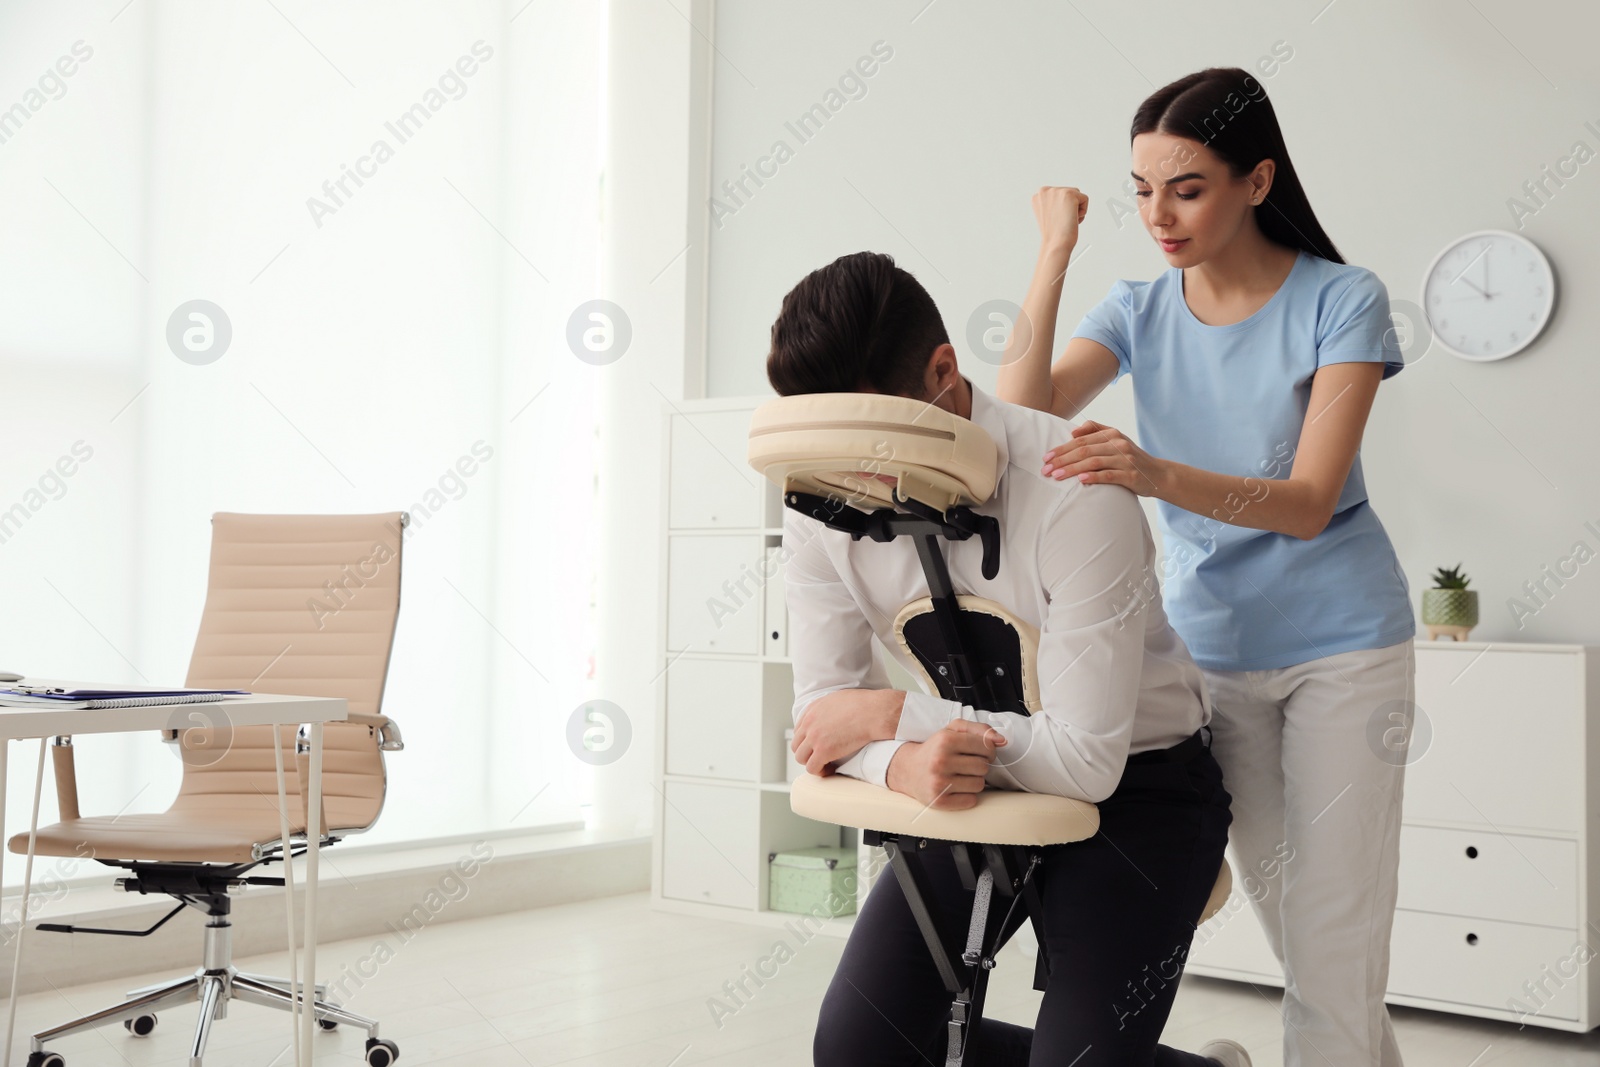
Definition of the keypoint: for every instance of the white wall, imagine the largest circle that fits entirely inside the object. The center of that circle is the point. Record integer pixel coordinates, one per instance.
(653, 261)
(1410, 124)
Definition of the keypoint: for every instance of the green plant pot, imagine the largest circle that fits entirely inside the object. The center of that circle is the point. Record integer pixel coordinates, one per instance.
(1450, 607)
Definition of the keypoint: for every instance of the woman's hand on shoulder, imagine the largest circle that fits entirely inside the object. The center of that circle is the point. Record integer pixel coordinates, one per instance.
(1100, 453)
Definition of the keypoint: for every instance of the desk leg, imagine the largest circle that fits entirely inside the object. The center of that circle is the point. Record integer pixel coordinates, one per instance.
(27, 890)
(5, 752)
(288, 890)
(313, 849)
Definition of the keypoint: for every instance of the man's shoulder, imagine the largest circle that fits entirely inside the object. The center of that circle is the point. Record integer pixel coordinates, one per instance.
(1020, 418)
(1030, 433)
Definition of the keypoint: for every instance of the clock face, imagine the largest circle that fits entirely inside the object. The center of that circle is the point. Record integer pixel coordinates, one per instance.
(1488, 295)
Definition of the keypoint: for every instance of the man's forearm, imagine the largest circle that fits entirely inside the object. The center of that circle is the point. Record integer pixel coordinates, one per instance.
(894, 702)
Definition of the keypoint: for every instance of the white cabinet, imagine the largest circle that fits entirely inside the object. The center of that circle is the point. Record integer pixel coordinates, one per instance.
(725, 687)
(709, 483)
(1507, 747)
(715, 591)
(709, 841)
(1499, 903)
(1479, 966)
(713, 718)
(1480, 872)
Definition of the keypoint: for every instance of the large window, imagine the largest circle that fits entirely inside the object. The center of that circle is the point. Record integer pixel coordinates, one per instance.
(387, 214)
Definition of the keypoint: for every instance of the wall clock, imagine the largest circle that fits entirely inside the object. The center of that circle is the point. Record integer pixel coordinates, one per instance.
(1488, 294)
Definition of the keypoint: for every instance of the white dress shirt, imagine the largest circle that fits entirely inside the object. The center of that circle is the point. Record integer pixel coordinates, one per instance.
(1077, 561)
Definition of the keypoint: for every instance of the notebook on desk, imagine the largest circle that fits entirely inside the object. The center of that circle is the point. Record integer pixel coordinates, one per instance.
(41, 696)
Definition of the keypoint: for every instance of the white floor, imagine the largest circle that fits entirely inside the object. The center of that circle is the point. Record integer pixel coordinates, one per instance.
(610, 982)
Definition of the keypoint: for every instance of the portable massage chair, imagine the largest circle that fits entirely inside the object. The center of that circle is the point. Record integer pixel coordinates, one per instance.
(821, 449)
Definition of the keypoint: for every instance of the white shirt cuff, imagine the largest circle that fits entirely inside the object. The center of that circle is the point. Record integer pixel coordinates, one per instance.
(871, 763)
(923, 715)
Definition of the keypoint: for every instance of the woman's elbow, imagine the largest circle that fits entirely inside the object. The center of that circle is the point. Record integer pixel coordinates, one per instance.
(1312, 515)
(1308, 531)
(1313, 525)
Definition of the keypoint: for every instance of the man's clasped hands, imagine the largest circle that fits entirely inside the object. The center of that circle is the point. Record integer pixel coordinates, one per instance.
(946, 771)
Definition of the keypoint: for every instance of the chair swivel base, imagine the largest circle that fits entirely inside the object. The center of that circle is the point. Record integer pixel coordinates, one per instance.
(213, 986)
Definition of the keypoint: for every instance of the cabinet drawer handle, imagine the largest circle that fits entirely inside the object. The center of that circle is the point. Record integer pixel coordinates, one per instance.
(1472, 852)
(1472, 939)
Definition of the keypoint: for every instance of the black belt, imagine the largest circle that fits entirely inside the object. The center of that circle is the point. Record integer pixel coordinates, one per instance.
(1182, 752)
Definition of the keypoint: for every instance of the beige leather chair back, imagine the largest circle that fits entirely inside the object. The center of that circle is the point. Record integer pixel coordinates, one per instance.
(302, 605)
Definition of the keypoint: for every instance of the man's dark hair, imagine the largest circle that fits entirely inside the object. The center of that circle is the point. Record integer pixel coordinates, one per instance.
(860, 320)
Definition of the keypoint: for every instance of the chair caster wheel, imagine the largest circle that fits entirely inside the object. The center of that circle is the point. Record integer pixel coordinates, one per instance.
(328, 1024)
(140, 1025)
(380, 1053)
(46, 1059)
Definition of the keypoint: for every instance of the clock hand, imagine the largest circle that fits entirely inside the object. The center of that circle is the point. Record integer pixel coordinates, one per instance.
(1461, 277)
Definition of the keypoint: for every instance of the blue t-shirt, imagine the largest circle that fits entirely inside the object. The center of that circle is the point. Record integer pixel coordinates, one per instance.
(1232, 399)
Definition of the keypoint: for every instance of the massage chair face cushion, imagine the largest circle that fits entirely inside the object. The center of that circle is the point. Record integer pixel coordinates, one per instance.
(872, 448)
(848, 443)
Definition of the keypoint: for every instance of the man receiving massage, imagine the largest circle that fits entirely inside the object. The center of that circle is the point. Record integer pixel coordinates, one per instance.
(1122, 723)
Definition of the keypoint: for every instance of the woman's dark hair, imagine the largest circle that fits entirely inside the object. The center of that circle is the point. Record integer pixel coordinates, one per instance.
(859, 320)
(1227, 110)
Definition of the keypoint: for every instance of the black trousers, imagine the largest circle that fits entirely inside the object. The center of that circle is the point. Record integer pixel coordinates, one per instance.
(1118, 919)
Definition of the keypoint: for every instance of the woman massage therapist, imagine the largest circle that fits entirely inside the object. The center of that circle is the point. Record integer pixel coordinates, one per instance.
(1255, 360)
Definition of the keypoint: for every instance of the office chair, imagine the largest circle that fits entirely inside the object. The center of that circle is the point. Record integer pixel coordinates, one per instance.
(296, 604)
(819, 448)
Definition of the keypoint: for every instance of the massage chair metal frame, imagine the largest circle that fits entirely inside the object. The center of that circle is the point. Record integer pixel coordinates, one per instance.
(980, 667)
(969, 649)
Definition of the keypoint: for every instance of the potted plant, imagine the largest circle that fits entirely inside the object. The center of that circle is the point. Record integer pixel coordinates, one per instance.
(1449, 607)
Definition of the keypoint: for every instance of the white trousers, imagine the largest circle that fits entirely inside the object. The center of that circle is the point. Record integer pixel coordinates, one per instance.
(1308, 753)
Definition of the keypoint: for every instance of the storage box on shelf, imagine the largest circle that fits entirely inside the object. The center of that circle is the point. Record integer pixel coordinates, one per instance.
(727, 689)
(1499, 907)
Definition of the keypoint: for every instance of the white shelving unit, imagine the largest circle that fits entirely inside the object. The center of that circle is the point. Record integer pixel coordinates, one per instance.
(727, 689)
(1499, 909)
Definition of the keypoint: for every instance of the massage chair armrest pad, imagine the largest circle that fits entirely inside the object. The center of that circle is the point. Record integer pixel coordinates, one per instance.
(1001, 816)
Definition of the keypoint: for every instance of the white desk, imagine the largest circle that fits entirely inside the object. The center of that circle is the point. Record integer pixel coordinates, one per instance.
(256, 709)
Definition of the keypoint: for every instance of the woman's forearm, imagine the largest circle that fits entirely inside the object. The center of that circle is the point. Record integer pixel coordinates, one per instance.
(1282, 505)
(1025, 367)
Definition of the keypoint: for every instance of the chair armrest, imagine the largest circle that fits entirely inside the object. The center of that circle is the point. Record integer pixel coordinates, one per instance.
(388, 732)
(1000, 817)
(66, 769)
(388, 740)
